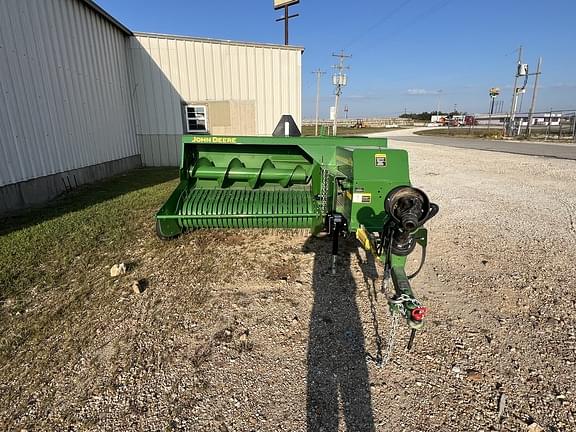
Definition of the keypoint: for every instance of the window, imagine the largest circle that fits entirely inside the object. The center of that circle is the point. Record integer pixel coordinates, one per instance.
(196, 119)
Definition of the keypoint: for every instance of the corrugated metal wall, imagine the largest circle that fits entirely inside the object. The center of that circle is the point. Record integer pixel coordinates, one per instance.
(64, 89)
(171, 71)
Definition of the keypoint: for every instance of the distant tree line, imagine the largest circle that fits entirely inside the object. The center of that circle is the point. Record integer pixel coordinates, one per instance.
(426, 116)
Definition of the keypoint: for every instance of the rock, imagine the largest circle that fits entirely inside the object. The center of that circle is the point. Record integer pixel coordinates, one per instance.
(502, 407)
(535, 427)
(117, 270)
(137, 288)
(561, 397)
(472, 375)
(8, 303)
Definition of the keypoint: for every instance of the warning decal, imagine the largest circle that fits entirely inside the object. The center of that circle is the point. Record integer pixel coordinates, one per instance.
(380, 159)
(365, 198)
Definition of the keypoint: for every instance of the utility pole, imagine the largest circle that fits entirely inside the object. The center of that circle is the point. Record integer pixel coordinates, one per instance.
(490, 113)
(339, 80)
(318, 73)
(534, 93)
(549, 124)
(514, 94)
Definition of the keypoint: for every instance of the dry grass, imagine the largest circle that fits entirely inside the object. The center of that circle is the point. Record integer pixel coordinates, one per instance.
(464, 132)
(348, 131)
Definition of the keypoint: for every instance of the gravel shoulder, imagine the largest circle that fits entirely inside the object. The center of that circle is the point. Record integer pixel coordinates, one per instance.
(248, 331)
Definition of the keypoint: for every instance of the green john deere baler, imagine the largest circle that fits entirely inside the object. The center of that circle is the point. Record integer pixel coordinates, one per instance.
(326, 184)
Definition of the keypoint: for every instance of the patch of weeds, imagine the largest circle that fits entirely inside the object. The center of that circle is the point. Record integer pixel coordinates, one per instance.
(285, 270)
(244, 346)
(201, 354)
(224, 336)
(236, 239)
(244, 343)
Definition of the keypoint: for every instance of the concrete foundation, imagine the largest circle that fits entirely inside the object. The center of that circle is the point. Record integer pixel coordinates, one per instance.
(40, 190)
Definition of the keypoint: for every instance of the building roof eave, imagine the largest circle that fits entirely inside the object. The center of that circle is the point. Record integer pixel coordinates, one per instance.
(96, 8)
(221, 41)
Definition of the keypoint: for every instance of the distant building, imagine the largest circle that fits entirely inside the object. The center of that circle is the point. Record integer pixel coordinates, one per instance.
(83, 97)
(521, 119)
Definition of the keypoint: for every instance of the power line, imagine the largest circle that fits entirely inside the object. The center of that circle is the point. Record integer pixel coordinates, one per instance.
(432, 10)
(378, 23)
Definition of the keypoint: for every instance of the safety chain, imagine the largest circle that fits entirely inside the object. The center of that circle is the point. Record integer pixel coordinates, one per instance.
(398, 309)
(400, 300)
(391, 338)
(324, 190)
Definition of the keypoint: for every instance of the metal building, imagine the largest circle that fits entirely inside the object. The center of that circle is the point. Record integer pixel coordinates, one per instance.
(230, 88)
(82, 97)
(65, 103)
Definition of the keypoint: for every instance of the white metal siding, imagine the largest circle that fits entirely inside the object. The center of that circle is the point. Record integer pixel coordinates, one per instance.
(171, 71)
(65, 92)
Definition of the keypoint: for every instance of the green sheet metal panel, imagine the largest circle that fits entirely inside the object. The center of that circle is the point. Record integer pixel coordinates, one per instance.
(376, 173)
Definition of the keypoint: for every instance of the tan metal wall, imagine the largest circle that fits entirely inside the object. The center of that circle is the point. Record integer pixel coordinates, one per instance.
(260, 82)
(64, 89)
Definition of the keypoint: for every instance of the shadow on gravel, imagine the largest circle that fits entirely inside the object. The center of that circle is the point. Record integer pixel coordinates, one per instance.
(337, 371)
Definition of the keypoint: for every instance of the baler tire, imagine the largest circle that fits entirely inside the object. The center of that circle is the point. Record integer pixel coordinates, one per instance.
(159, 233)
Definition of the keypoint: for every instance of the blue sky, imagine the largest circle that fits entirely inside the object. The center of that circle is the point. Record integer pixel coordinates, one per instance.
(406, 54)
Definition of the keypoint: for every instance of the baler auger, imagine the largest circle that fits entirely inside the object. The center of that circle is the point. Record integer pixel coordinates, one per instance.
(326, 184)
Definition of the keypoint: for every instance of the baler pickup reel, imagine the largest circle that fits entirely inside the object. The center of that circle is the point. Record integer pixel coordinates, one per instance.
(326, 184)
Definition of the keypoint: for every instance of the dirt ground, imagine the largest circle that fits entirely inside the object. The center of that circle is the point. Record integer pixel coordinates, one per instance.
(249, 331)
